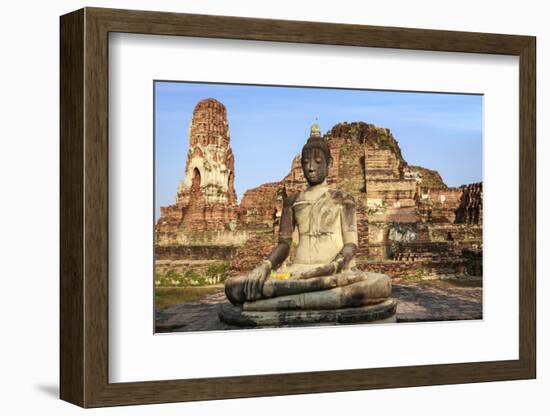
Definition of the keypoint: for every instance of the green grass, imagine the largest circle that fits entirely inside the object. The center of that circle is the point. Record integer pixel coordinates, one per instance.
(170, 296)
(418, 276)
(216, 272)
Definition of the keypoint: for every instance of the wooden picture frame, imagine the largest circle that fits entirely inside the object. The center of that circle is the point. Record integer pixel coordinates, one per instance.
(84, 207)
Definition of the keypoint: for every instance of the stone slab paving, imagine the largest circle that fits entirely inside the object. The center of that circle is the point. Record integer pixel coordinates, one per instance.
(436, 301)
(417, 302)
(200, 315)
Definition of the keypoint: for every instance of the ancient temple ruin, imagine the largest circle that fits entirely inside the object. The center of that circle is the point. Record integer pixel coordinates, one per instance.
(410, 222)
(205, 207)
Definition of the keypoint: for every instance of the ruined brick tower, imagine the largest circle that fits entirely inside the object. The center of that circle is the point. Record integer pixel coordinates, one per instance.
(206, 200)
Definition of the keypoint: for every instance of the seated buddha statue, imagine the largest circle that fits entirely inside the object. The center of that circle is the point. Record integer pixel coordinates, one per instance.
(322, 274)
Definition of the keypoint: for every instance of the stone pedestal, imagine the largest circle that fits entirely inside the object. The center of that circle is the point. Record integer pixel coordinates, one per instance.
(383, 312)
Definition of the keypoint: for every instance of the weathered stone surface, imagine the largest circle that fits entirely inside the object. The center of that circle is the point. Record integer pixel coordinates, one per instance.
(383, 312)
(374, 286)
(379, 286)
(361, 293)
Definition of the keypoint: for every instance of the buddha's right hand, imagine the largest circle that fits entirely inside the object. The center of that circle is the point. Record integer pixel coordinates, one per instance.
(254, 283)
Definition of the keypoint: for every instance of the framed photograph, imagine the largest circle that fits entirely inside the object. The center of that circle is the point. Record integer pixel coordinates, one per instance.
(254, 207)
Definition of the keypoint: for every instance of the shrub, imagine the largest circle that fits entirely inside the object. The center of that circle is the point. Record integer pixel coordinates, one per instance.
(218, 271)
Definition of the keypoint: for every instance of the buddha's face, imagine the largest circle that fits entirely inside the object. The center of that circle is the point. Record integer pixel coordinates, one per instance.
(315, 166)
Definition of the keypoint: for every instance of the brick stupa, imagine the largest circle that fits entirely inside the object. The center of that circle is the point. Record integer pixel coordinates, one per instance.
(206, 201)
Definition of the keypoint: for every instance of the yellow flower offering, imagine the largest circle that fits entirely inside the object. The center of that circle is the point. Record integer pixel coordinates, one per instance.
(282, 276)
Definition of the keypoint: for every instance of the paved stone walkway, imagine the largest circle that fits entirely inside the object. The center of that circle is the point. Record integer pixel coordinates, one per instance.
(417, 302)
(436, 301)
(193, 316)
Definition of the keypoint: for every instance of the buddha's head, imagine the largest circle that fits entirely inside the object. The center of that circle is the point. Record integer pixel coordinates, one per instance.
(316, 159)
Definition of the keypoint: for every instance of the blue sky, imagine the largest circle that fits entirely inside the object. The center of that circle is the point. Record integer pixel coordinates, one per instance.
(269, 125)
